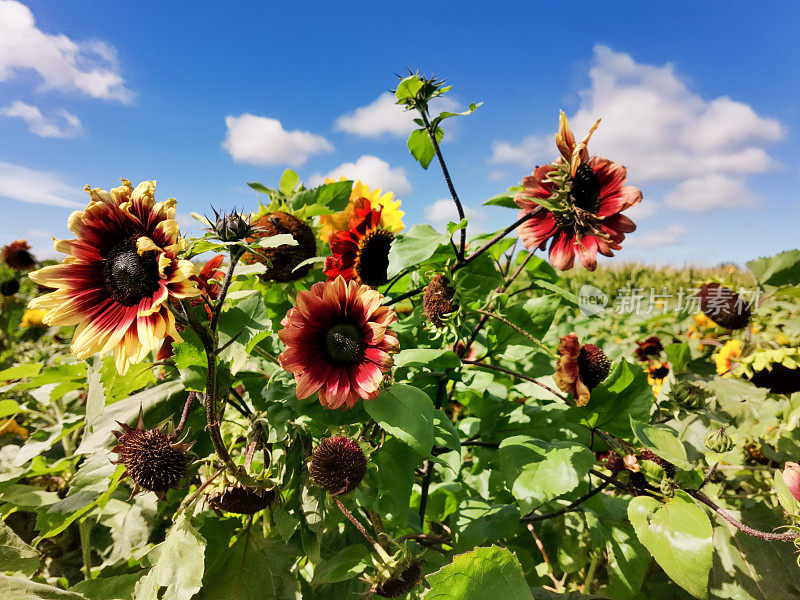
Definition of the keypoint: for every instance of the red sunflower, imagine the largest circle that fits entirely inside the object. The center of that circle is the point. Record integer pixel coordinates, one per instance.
(360, 253)
(338, 342)
(577, 202)
(121, 272)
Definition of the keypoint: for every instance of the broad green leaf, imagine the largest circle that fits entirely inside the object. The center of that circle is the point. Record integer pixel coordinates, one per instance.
(331, 196)
(248, 323)
(9, 407)
(392, 493)
(177, 565)
(407, 413)
(421, 146)
(96, 398)
(433, 358)
(289, 181)
(504, 200)
(444, 432)
(477, 281)
(117, 587)
(16, 588)
(661, 441)
(16, 555)
(116, 386)
(480, 522)
(628, 560)
(778, 270)
(21, 371)
(254, 568)
(484, 572)
(414, 248)
(408, 88)
(679, 536)
(349, 562)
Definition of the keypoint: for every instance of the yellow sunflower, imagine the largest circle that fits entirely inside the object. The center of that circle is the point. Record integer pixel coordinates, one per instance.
(724, 358)
(391, 215)
(121, 274)
(656, 374)
(33, 318)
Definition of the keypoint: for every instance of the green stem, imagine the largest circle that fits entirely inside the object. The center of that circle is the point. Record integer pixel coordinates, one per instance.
(587, 583)
(85, 529)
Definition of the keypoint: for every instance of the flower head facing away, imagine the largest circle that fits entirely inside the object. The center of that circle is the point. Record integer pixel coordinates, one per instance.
(580, 368)
(17, 256)
(437, 301)
(283, 259)
(723, 306)
(338, 342)
(120, 275)
(361, 252)
(575, 204)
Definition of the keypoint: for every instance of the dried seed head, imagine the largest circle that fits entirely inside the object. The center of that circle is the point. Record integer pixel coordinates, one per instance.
(338, 465)
(283, 258)
(402, 582)
(723, 306)
(152, 460)
(438, 300)
(593, 365)
(242, 500)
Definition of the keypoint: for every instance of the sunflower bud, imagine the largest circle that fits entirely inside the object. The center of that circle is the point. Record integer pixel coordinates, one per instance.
(593, 365)
(242, 500)
(401, 582)
(438, 300)
(791, 477)
(689, 394)
(283, 259)
(152, 459)
(338, 465)
(232, 226)
(719, 441)
(668, 487)
(723, 306)
(9, 287)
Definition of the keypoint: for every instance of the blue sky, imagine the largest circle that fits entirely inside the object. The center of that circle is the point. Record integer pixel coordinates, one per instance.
(699, 100)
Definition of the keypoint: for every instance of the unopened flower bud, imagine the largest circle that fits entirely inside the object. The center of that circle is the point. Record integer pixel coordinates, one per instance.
(689, 394)
(668, 486)
(719, 441)
(791, 477)
(232, 226)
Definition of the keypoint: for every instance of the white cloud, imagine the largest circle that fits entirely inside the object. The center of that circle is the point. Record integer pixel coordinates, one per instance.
(531, 151)
(642, 211)
(87, 67)
(662, 131)
(444, 211)
(672, 234)
(36, 187)
(708, 192)
(373, 171)
(382, 115)
(66, 124)
(263, 141)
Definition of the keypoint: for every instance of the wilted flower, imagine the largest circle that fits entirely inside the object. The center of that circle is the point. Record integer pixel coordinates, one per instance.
(724, 358)
(723, 306)
(577, 202)
(121, 273)
(338, 342)
(649, 348)
(791, 477)
(241, 500)
(283, 259)
(338, 465)
(17, 256)
(404, 579)
(391, 215)
(360, 253)
(152, 459)
(437, 301)
(580, 369)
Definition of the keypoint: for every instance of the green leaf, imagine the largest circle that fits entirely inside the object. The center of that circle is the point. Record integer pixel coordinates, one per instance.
(478, 280)
(254, 568)
(177, 565)
(494, 571)
(407, 413)
(778, 270)
(261, 188)
(118, 587)
(628, 560)
(679, 536)
(407, 89)
(433, 358)
(21, 371)
(678, 356)
(444, 432)
(16, 555)
(16, 588)
(661, 441)
(504, 200)
(9, 407)
(421, 146)
(248, 322)
(289, 181)
(392, 494)
(414, 248)
(333, 197)
(96, 398)
(349, 562)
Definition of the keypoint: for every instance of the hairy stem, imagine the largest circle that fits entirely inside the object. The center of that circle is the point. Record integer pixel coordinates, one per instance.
(85, 530)
(488, 367)
(378, 548)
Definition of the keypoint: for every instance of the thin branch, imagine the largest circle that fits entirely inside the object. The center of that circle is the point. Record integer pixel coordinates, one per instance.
(570, 507)
(185, 413)
(764, 535)
(518, 375)
(409, 294)
(516, 328)
(378, 548)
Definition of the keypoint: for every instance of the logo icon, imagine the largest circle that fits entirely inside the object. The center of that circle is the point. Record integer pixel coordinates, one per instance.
(591, 300)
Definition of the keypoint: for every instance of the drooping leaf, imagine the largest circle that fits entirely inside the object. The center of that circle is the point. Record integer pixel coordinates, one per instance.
(17, 588)
(407, 413)
(16, 555)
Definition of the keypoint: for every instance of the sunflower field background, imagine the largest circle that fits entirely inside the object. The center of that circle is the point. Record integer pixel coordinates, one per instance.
(313, 400)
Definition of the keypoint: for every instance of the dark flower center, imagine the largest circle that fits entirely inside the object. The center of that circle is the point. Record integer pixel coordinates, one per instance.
(660, 372)
(373, 257)
(343, 344)
(151, 460)
(338, 465)
(593, 365)
(586, 189)
(128, 275)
